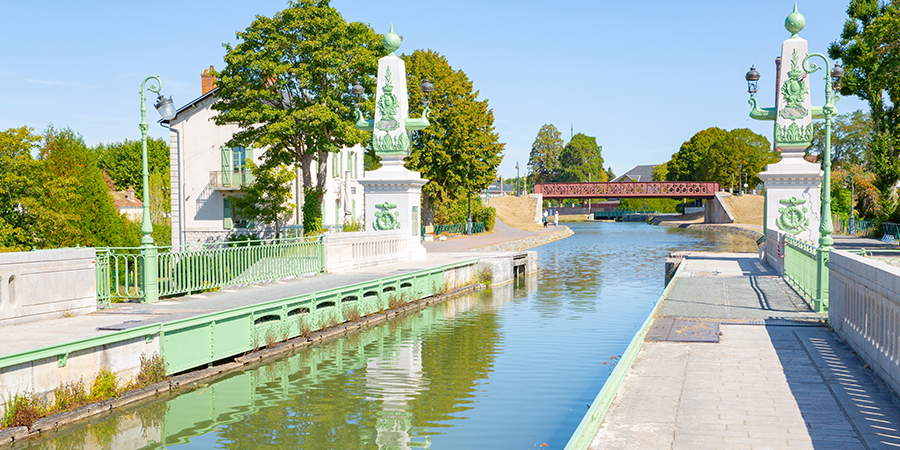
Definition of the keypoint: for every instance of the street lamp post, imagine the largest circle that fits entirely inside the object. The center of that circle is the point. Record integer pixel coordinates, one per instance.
(518, 180)
(149, 270)
(826, 227)
(849, 178)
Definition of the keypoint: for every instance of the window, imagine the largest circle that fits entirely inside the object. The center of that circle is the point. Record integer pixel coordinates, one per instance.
(235, 171)
(231, 218)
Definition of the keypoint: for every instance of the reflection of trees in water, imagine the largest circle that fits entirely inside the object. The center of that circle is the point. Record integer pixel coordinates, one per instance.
(381, 384)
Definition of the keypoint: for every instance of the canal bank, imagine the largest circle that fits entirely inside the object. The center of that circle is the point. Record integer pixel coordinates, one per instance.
(733, 357)
(208, 330)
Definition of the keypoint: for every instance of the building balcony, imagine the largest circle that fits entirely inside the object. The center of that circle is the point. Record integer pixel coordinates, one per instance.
(229, 181)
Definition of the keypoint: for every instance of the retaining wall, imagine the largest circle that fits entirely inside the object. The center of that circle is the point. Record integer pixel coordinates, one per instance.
(864, 309)
(46, 284)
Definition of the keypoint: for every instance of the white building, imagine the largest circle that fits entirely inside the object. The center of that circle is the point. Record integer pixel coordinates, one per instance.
(205, 172)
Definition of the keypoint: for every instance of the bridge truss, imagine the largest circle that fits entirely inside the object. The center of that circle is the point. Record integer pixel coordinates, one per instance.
(629, 189)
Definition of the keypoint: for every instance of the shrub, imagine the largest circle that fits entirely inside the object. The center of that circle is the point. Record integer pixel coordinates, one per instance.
(23, 410)
(70, 395)
(104, 385)
(153, 370)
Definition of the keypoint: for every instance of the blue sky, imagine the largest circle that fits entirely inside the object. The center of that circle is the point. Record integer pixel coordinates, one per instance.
(642, 77)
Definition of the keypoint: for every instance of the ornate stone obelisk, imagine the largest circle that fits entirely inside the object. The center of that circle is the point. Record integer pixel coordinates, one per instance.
(393, 193)
(793, 184)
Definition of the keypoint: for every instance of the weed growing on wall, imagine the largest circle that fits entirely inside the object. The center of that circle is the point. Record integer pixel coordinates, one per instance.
(484, 276)
(153, 370)
(70, 395)
(23, 410)
(351, 313)
(104, 385)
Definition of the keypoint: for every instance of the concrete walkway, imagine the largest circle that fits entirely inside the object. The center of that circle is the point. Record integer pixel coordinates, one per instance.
(736, 360)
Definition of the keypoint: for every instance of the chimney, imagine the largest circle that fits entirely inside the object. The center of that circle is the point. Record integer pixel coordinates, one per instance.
(129, 193)
(209, 81)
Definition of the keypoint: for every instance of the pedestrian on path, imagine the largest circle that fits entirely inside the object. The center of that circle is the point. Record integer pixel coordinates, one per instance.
(546, 215)
(556, 218)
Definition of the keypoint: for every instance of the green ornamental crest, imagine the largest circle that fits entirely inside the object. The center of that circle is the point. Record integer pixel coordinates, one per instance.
(793, 218)
(794, 91)
(387, 219)
(388, 105)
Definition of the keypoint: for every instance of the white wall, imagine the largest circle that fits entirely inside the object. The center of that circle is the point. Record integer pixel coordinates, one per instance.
(198, 207)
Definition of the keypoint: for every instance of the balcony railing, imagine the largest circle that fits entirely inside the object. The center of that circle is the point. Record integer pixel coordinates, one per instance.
(229, 180)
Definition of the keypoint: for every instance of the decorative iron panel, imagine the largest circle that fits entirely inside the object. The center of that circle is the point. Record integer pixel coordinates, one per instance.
(628, 189)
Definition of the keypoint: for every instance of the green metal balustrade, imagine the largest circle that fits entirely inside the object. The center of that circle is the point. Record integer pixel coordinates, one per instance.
(187, 270)
(800, 268)
(456, 228)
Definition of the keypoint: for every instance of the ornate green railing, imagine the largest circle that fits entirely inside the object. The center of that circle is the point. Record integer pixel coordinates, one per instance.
(800, 266)
(855, 227)
(187, 270)
(456, 228)
(891, 229)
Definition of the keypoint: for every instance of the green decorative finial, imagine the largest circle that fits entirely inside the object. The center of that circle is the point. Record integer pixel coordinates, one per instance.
(794, 22)
(392, 41)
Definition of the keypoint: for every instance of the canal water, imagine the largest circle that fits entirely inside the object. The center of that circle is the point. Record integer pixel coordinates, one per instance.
(512, 367)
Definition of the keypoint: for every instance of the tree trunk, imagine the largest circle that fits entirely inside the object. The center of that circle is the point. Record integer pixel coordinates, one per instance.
(427, 210)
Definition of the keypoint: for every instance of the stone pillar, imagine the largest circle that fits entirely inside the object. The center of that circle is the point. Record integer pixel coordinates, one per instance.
(393, 193)
(793, 205)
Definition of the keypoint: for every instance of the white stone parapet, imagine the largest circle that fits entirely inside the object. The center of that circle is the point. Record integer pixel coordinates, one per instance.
(46, 284)
(358, 249)
(864, 310)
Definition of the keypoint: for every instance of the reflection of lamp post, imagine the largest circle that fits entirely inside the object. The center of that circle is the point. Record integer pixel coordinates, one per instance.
(849, 178)
(150, 280)
(826, 228)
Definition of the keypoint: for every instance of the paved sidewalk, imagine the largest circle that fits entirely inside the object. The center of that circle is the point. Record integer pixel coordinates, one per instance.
(769, 375)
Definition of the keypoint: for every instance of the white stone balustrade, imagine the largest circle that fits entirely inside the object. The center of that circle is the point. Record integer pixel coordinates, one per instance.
(864, 309)
(358, 249)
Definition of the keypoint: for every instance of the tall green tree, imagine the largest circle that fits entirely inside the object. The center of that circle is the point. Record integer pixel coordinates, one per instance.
(286, 84)
(717, 155)
(869, 48)
(123, 163)
(268, 198)
(543, 163)
(581, 160)
(460, 151)
(19, 190)
(84, 198)
(850, 137)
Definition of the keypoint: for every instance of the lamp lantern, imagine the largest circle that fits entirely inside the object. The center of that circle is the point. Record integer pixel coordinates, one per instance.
(427, 88)
(165, 107)
(357, 90)
(836, 75)
(752, 78)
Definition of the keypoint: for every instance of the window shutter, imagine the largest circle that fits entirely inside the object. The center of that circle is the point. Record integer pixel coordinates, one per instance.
(248, 157)
(226, 166)
(227, 221)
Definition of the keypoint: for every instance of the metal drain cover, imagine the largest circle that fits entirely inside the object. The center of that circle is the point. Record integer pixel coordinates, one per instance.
(667, 329)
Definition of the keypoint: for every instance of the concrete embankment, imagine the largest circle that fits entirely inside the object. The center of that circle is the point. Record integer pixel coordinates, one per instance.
(751, 231)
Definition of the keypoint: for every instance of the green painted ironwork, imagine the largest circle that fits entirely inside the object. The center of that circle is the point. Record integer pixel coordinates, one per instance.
(148, 250)
(856, 227)
(196, 341)
(617, 214)
(890, 257)
(891, 229)
(188, 270)
(801, 270)
(794, 91)
(456, 228)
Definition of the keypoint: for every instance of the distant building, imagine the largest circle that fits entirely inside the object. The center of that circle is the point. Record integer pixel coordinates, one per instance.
(205, 172)
(126, 203)
(637, 173)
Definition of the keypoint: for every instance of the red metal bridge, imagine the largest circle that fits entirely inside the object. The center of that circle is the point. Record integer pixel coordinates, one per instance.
(629, 189)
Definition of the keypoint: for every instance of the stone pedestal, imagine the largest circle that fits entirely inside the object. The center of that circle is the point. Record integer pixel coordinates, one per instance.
(393, 197)
(793, 205)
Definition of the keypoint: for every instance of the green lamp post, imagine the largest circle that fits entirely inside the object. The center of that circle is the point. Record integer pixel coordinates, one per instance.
(826, 227)
(149, 274)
